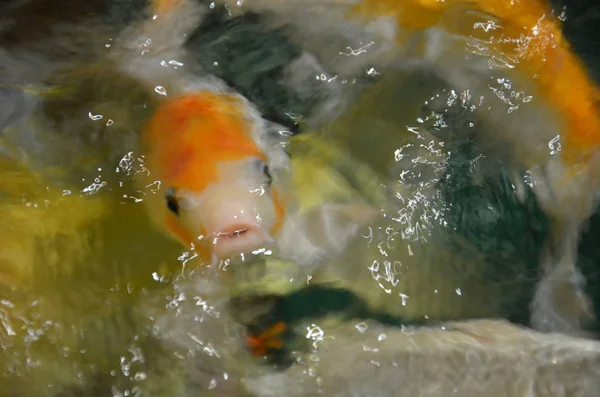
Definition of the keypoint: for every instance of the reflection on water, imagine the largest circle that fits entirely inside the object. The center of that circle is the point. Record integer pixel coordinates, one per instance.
(95, 301)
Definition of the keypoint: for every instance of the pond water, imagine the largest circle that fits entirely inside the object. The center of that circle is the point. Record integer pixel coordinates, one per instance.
(437, 224)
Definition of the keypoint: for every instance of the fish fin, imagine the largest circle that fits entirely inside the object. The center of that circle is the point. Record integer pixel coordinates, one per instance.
(269, 341)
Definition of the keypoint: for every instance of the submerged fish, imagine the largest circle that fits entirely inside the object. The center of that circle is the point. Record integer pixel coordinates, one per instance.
(215, 181)
(506, 62)
(471, 358)
(461, 270)
(224, 198)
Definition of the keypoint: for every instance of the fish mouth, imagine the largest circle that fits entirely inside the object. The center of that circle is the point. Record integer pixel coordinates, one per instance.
(232, 232)
(238, 239)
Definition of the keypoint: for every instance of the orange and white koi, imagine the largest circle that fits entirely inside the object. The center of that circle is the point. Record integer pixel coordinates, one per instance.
(215, 182)
(220, 167)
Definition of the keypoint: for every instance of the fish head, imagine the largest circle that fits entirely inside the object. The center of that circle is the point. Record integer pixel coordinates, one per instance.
(216, 189)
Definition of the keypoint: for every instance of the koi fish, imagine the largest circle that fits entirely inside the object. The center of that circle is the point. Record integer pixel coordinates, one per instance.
(215, 180)
(508, 62)
(369, 358)
(222, 172)
(493, 50)
(216, 184)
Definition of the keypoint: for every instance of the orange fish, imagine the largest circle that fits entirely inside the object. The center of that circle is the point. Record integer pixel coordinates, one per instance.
(522, 35)
(509, 50)
(215, 183)
(509, 58)
(525, 34)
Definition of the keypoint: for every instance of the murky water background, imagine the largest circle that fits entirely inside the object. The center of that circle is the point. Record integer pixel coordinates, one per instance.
(93, 297)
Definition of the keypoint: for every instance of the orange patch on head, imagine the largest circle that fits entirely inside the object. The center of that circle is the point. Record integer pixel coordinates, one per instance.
(189, 135)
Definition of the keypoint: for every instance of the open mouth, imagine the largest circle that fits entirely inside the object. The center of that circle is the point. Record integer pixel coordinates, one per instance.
(239, 239)
(234, 232)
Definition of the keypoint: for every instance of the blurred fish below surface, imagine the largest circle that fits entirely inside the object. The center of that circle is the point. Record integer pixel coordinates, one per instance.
(532, 100)
(450, 235)
(375, 329)
(440, 182)
(471, 358)
(465, 228)
(580, 22)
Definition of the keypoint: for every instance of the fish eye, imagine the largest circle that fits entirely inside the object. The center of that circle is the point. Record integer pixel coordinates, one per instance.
(267, 173)
(172, 203)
